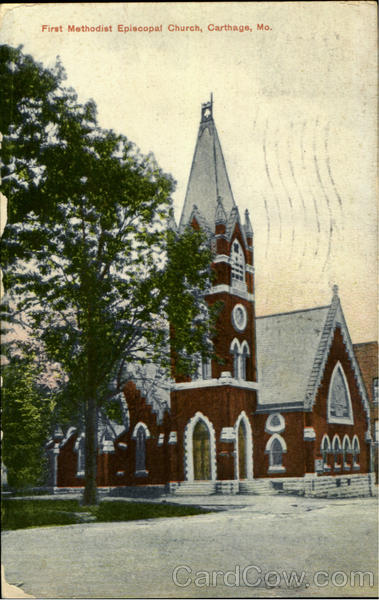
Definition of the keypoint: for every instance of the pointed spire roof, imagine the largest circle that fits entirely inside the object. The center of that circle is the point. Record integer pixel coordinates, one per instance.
(208, 177)
(248, 225)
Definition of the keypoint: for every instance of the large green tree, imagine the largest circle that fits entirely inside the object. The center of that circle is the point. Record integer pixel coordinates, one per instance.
(27, 408)
(92, 266)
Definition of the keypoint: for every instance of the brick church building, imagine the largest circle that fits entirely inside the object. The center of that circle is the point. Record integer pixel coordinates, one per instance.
(287, 410)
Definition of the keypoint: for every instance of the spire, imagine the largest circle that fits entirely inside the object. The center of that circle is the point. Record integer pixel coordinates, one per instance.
(248, 225)
(208, 177)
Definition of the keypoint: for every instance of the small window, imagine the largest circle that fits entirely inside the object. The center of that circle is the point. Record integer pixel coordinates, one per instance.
(81, 455)
(325, 450)
(140, 450)
(346, 450)
(356, 451)
(337, 452)
(238, 266)
(275, 448)
(206, 367)
(276, 454)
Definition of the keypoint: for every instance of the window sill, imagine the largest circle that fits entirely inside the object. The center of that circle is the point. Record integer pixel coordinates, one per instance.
(337, 467)
(327, 468)
(277, 469)
(346, 467)
(80, 474)
(356, 467)
(141, 473)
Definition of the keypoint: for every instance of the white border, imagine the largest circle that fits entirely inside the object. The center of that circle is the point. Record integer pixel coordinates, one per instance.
(188, 446)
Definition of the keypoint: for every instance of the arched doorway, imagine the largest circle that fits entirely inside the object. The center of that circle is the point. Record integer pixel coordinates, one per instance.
(243, 448)
(242, 466)
(201, 452)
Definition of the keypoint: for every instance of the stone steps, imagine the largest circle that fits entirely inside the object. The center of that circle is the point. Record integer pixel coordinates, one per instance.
(193, 488)
(257, 486)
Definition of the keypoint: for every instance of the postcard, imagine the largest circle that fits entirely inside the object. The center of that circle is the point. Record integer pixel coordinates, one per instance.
(254, 472)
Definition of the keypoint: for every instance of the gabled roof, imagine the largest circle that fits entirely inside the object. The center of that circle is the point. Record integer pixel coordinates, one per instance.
(208, 178)
(292, 351)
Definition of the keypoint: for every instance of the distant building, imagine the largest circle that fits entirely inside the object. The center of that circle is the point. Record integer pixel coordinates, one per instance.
(287, 409)
(367, 355)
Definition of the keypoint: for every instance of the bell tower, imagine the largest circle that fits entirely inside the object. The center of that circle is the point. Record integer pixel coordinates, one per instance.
(214, 411)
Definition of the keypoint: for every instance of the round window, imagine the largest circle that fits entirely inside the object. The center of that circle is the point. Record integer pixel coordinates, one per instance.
(239, 317)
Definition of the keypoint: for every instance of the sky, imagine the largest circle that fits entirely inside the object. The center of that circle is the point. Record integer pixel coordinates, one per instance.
(294, 106)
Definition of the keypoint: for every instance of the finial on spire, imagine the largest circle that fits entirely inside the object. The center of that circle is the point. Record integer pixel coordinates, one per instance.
(207, 110)
(335, 290)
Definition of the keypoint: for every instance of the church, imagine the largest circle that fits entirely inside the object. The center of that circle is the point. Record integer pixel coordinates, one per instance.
(286, 411)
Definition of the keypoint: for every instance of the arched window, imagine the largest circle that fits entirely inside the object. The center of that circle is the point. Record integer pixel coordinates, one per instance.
(346, 450)
(80, 449)
(339, 401)
(235, 350)
(238, 266)
(325, 450)
(275, 448)
(356, 451)
(337, 450)
(140, 435)
(140, 450)
(240, 355)
(245, 353)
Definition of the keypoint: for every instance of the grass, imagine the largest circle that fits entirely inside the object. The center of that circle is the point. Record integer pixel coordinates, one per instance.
(21, 514)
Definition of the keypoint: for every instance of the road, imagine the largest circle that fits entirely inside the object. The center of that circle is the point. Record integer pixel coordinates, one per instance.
(250, 549)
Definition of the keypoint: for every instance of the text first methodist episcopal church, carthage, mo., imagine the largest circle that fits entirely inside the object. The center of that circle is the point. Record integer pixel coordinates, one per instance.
(287, 410)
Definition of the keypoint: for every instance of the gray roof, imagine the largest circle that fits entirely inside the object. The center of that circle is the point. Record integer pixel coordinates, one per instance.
(208, 177)
(286, 348)
(292, 351)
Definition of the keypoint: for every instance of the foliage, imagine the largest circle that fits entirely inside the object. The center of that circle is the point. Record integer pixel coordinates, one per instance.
(92, 268)
(19, 514)
(26, 414)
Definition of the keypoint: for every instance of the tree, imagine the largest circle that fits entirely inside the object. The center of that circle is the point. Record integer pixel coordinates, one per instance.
(92, 265)
(26, 414)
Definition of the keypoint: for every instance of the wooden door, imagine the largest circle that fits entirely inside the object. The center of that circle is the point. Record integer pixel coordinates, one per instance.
(201, 452)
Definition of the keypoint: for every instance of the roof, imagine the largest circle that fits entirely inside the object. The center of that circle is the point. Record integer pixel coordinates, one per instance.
(286, 348)
(367, 356)
(292, 351)
(208, 178)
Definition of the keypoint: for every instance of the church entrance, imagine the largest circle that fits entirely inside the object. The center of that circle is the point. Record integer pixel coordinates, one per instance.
(242, 455)
(201, 452)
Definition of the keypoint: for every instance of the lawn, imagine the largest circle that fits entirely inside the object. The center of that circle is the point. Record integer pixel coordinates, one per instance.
(20, 514)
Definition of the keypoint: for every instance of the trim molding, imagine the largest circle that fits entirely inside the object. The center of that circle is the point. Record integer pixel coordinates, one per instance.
(222, 381)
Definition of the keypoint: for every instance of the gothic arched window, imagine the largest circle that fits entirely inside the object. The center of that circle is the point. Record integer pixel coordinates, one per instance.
(140, 435)
(346, 449)
(355, 452)
(275, 448)
(337, 451)
(245, 353)
(339, 401)
(325, 450)
(140, 450)
(235, 350)
(238, 265)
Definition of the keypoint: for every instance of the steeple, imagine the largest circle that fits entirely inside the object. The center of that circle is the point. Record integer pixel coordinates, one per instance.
(208, 178)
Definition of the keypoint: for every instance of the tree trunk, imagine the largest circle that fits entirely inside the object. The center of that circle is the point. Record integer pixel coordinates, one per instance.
(90, 490)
